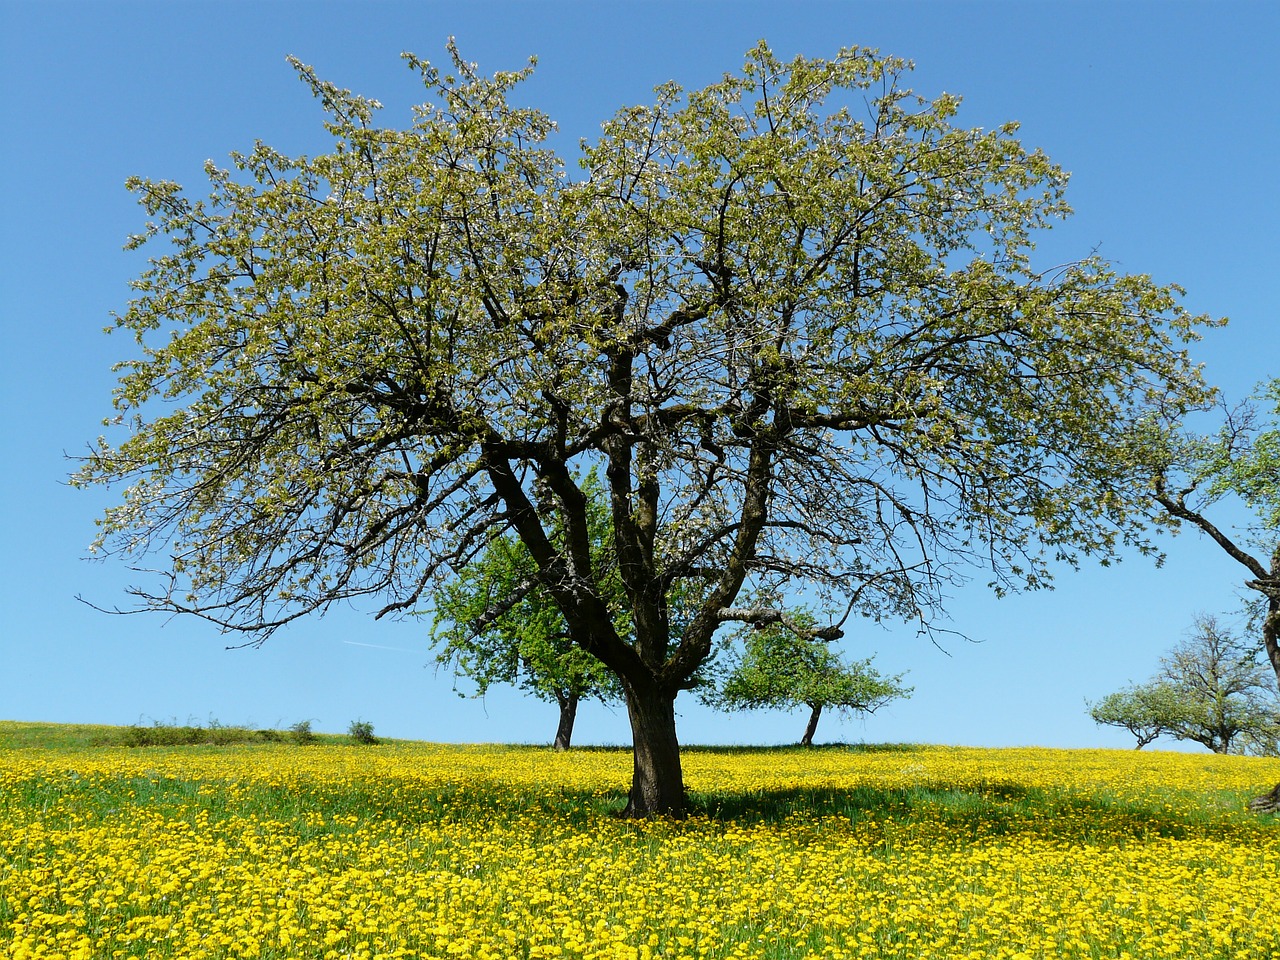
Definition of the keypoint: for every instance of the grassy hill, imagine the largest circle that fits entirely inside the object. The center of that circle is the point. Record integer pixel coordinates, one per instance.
(254, 847)
(19, 735)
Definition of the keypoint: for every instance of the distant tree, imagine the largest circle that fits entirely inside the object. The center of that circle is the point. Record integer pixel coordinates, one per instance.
(495, 624)
(784, 666)
(1210, 689)
(1242, 461)
(1146, 710)
(1228, 697)
(792, 317)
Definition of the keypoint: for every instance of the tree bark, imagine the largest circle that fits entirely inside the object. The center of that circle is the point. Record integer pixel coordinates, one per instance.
(1271, 635)
(1267, 803)
(812, 727)
(657, 782)
(568, 713)
(1271, 624)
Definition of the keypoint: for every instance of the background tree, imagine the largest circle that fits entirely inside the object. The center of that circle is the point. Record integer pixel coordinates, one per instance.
(495, 624)
(1229, 700)
(1210, 689)
(784, 666)
(791, 317)
(1241, 461)
(1146, 710)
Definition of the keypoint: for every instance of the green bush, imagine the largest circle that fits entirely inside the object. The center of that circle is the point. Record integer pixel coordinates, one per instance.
(301, 732)
(161, 734)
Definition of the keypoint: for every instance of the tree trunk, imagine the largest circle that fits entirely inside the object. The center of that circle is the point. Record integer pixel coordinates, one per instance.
(1267, 803)
(1271, 630)
(657, 782)
(811, 729)
(1269, 587)
(568, 713)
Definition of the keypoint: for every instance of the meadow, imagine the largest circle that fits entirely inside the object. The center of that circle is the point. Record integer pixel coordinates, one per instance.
(275, 850)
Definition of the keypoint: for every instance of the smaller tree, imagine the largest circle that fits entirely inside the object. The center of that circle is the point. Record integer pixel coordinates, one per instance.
(361, 731)
(1228, 696)
(784, 665)
(1146, 710)
(495, 623)
(1210, 689)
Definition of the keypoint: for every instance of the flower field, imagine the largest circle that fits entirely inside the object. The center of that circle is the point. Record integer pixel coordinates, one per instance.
(414, 850)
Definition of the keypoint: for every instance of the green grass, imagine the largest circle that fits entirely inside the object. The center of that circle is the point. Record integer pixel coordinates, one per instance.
(21, 735)
(993, 808)
(17, 735)
(801, 853)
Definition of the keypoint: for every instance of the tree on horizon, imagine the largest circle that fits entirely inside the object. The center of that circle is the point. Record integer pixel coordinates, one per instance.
(493, 623)
(783, 666)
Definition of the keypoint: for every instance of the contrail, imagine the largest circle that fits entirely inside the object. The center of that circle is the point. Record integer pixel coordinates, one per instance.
(378, 646)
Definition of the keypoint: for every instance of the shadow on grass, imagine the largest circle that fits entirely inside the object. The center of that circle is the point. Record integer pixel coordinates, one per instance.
(741, 748)
(817, 747)
(932, 813)
(964, 813)
(942, 810)
(860, 802)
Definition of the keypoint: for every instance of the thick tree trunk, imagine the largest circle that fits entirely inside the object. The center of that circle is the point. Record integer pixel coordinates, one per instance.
(1270, 588)
(657, 782)
(568, 713)
(812, 728)
(1271, 633)
(1267, 803)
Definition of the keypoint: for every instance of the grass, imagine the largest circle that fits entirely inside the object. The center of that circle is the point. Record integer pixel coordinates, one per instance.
(259, 848)
(18, 735)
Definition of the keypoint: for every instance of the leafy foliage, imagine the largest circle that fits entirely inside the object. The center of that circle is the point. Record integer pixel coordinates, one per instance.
(361, 731)
(1244, 459)
(495, 623)
(792, 318)
(785, 666)
(1241, 461)
(1145, 710)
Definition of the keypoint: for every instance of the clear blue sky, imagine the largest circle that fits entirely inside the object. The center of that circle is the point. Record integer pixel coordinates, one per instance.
(1164, 112)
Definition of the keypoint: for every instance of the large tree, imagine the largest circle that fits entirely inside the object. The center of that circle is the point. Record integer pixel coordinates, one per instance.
(791, 317)
(1242, 462)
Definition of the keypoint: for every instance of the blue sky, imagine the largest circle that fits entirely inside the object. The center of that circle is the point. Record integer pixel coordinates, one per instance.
(1164, 112)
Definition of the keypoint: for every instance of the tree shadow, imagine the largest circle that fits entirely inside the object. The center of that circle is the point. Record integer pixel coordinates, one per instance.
(836, 747)
(714, 748)
(956, 813)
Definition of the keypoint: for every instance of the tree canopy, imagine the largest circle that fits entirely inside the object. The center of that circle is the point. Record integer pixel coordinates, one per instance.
(792, 318)
(1146, 710)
